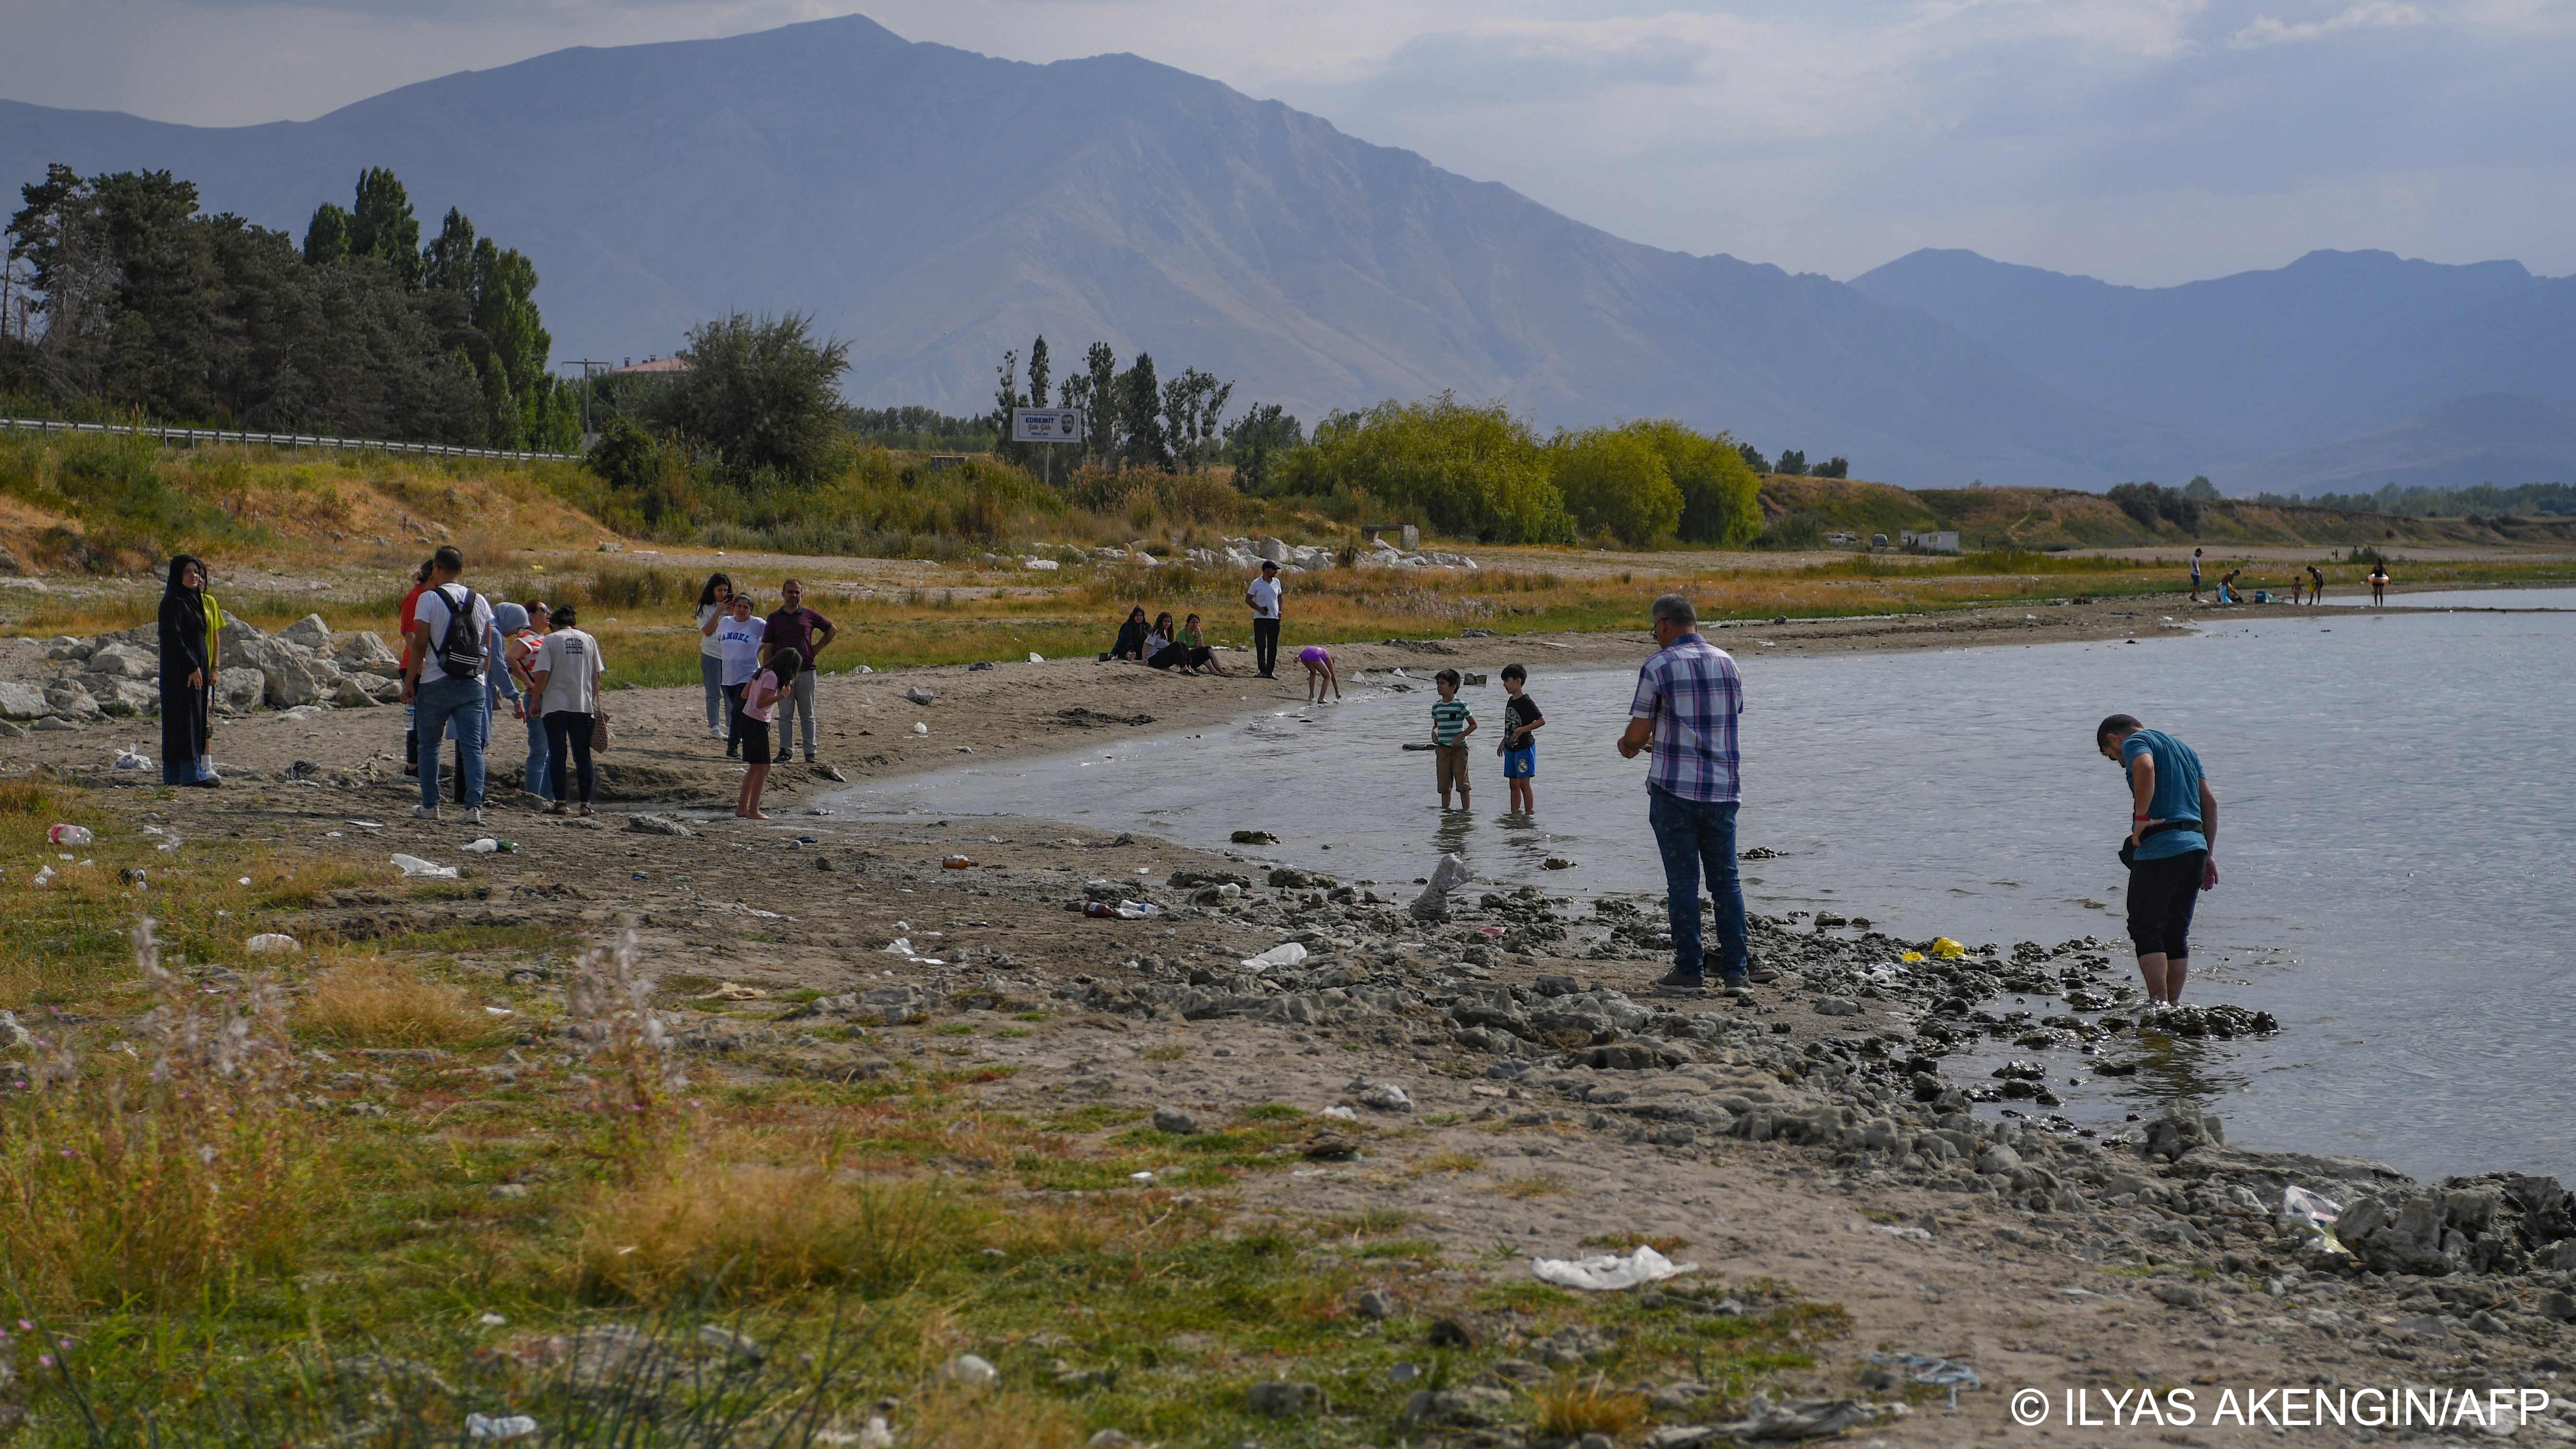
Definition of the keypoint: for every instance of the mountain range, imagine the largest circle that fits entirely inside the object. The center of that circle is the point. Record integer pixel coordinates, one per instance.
(934, 207)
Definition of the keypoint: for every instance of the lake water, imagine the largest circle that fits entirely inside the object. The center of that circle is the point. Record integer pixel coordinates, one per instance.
(2397, 819)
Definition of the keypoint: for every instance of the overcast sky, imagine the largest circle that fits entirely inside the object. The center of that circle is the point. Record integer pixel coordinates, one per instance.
(2144, 141)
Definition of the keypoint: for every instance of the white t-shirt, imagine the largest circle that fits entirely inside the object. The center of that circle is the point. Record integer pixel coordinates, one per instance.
(1265, 598)
(707, 644)
(739, 639)
(433, 611)
(571, 662)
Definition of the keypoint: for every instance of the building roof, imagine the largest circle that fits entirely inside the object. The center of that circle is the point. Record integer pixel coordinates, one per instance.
(656, 364)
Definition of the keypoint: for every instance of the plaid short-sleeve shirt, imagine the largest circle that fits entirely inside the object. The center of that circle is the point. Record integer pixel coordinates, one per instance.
(1693, 694)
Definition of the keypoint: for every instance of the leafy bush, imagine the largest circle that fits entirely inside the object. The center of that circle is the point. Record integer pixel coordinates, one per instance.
(1721, 494)
(1614, 481)
(1463, 469)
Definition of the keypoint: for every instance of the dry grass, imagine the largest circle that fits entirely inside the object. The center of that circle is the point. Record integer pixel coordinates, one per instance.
(1001, 1419)
(742, 1231)
(379, 1004)
(1570, 1410)
(1522, 1189)
(183, 1176)
(1630, 1242)
(24, 797)
(1448, 1162)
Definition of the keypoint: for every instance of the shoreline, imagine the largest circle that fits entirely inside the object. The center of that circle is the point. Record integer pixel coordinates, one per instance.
(1805, 1138)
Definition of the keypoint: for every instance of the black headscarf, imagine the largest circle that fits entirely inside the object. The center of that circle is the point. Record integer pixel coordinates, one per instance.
(183, 618)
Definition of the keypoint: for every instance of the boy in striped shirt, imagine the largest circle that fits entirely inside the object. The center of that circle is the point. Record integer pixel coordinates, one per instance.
(1451, 723)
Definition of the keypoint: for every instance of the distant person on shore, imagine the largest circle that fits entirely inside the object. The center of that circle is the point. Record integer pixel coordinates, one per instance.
(450, 629)
(2195, 576)
(2227, 587)
(2379, 583)
(1201, 656)
(187, 676)
(1320, 673)
(1688, 699)
(2173, 824)
(521, 637)
(1263, 596)
(1518, 746)
(2316, 585)
(2298, 588)
(714, 603)
(1131, 636)
(567, 675)
(410, 611)
(792, 626)
(760, 697)
(1451, 723)
(739, 638)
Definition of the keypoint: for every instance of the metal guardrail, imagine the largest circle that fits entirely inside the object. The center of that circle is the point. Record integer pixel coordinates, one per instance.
(281, 440)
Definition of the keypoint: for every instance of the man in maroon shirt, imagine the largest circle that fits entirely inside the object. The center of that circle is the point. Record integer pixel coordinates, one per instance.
(796, 627)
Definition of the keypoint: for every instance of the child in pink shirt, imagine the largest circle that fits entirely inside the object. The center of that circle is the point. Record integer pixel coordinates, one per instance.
(751, 722)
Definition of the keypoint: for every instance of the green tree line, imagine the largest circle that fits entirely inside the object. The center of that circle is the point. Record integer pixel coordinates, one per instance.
(147, 304)
(2476, 500)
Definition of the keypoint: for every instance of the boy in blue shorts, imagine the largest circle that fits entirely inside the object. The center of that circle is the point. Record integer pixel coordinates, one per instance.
(1520, 753)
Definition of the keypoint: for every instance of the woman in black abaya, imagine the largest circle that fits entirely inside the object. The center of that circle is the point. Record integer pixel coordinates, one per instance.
(187, 676)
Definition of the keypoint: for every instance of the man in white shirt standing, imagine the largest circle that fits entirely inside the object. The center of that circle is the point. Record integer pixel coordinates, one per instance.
(566, 675)
(1262, 594)
(444, 681)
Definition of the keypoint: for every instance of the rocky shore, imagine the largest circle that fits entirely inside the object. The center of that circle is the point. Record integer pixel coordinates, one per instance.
(1494, 1067)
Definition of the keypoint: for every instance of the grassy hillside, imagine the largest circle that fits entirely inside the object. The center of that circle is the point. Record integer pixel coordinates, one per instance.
(2062, 518)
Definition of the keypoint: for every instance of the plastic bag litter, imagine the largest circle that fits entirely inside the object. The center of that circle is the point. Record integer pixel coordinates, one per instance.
(131, 759)
(1036, 658)
(71, 835)
(44, 877)
(1940, 1373)
(414, 865)
(1447, 876)
(2298, 1205)
(899, 946)
(1137, 910)
(484, 1426)
(1286, 953)
(1608, 1272)
(273, 943)
(1947, 949)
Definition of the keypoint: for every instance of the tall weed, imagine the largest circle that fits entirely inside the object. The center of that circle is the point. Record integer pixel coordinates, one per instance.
(147, 1182)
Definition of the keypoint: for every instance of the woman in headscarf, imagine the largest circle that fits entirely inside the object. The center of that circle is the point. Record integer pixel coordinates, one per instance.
(187, 676)
(519, 645)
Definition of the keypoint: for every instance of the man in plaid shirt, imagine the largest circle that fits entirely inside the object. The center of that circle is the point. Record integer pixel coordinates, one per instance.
(1688, 697)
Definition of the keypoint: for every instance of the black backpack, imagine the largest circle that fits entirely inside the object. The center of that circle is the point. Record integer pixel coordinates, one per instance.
(461, 652)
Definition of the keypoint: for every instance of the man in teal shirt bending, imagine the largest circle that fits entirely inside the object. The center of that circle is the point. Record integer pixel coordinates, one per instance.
(2173, 827)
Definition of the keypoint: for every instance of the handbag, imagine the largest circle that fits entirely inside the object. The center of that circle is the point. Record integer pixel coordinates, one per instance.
(599, 731)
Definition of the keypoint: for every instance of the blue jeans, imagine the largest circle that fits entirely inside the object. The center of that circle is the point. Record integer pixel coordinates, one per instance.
(438, 707)
(534, 781)
(1697, 837)
(711, 674)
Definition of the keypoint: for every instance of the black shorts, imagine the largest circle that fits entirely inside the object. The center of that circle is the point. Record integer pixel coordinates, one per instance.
(754, 734)
(2161, 896)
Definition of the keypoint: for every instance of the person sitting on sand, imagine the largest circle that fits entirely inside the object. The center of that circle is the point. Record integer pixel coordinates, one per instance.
(1201, 656)
(1131, 636)
(1320, 674)
(1160, 651)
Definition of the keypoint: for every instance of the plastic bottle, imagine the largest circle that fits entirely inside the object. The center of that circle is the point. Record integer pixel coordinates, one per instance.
(71, 835)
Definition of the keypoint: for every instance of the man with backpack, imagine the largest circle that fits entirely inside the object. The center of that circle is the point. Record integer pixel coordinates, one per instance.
(443, 680)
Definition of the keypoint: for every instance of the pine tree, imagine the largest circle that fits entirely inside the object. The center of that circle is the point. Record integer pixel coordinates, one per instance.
(382, 225)
(326, 239)
(1038, 372)
(1100, 399)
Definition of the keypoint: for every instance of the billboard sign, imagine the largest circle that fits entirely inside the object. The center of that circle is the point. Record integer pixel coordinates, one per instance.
(1046, 425)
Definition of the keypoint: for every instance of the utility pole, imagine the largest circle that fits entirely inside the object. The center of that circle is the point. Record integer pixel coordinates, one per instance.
(585, 364)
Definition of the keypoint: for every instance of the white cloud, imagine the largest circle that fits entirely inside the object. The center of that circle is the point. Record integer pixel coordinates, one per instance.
(2375, 15)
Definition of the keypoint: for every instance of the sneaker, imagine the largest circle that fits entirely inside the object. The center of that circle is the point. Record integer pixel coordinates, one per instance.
(715, 734)
(424, 812)
(474, 816)
(1763, 974)
(734, 754)
(784, 757)
(1674, 980)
